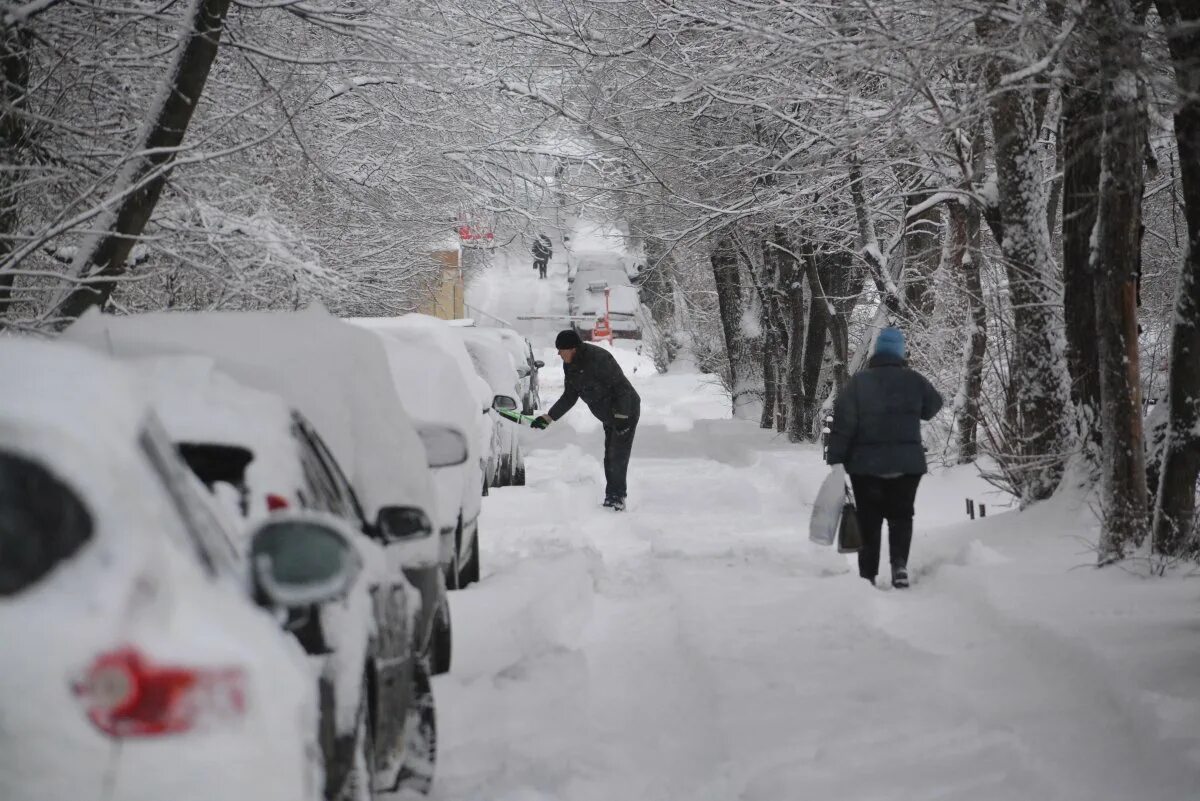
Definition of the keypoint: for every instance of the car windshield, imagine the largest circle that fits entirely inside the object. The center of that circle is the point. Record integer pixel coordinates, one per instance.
(42, 522)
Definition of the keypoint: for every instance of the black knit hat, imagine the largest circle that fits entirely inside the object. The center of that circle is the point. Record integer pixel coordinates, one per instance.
(567, 339)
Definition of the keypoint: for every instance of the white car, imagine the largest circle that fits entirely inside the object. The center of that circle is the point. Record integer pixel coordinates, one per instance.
(435, 333)
(495, 365)
(336, 375)
(261, 456)
(521, 351)
(133, 665)
(437, 396)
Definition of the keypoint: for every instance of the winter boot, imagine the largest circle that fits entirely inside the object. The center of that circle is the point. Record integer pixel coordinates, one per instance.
(614, 502)
(900, 577)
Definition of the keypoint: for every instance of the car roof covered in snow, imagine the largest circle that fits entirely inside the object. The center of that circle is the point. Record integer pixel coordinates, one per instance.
(493, 361)
(439, 333)
(335, 374)
(198, 403)
(518, 347)
(60, 386)
(429, 383)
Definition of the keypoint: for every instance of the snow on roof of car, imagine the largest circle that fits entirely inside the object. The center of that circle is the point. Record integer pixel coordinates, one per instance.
(493, 361)
(430, 383)
(335, 374)
(62, 386)
(199, 403)
(438, 332)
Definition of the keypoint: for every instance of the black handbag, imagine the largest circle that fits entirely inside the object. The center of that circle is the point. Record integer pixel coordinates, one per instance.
(849, 539)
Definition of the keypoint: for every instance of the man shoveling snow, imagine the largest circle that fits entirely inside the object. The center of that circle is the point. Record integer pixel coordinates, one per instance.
(593, 374)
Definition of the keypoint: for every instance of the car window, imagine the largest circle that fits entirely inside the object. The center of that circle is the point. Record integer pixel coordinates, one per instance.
(42, 522)
(319, 488)
(208, 537)
(345, 500)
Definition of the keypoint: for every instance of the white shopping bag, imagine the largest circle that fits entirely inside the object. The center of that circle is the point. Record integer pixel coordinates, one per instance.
(827, 508)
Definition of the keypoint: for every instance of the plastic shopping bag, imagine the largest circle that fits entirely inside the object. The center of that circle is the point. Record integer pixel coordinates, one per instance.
(827, 508)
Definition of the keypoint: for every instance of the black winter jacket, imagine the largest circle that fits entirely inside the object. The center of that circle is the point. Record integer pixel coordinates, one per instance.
(595, 376)
(877, 418)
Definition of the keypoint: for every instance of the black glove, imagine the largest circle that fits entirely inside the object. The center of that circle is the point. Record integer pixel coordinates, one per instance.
(540, 422)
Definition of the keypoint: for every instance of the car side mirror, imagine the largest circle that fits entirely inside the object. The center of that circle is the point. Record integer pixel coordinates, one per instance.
(539, 364)
(445, 446)
(504, 402)
(402, 524)
(299, 559)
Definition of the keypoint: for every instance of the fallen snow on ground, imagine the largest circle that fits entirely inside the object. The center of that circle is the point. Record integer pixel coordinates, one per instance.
(699, 647)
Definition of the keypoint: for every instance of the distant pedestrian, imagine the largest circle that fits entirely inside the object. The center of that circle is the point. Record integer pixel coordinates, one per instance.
(593, 374)
(876, 434)
(542, 251)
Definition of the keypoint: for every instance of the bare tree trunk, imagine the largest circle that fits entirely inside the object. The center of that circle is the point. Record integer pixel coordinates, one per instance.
(140, 183)
(1175, 510)
(1082, 121)
(796, 338)
(1116, 259)
(726, 276)
(964, 260)
(1038, 366)
(815, 339)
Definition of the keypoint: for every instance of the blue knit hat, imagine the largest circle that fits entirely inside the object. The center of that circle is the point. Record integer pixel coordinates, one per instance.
(890, 342)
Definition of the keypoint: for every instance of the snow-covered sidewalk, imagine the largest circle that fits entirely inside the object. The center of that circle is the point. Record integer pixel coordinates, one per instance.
(699, 647)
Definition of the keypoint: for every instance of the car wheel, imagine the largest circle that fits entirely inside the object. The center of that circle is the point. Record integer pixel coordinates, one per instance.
(420, 737)
(470, 571)
(440, 647)
(360, 781)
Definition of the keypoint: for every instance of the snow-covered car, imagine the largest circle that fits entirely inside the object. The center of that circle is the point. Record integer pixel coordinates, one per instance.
(586, 298)
(438, 335)
(337, 375)
(495, 365)
(249, 447)
(133, 665)
(521, 351)
(436, 395)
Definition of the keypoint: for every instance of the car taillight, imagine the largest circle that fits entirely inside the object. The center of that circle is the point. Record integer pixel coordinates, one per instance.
(127, 696)
(276, 502)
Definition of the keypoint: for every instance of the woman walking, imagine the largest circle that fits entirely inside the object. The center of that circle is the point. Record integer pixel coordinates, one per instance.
(876, 434)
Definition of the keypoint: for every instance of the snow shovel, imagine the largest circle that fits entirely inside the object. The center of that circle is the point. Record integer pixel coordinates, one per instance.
(517, 417)
(827, 508)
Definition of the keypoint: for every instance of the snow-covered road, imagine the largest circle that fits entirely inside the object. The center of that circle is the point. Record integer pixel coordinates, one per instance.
(699, 647)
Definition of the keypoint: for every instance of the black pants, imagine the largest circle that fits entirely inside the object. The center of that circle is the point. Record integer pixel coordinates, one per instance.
(540, 265)
(880, 499)
(617, 448)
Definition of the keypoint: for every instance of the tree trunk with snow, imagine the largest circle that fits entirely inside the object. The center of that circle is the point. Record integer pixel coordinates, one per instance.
(1115, 262)
(1175, 510)
(794, 281)
(726, 277)
(815, 339)
(964, 258)
(139, 184)
(1039, 364)
(1081, 123)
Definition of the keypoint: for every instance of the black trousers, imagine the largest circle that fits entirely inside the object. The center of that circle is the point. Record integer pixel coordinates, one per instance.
(617, 449)
(540, 265)
(880, 499)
